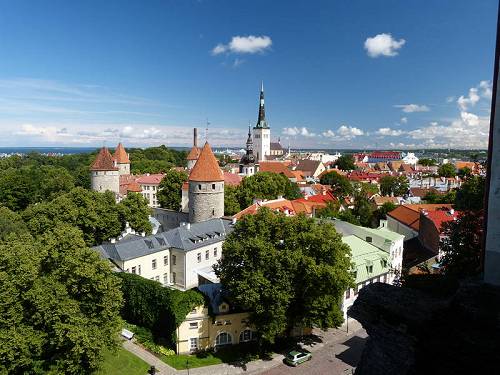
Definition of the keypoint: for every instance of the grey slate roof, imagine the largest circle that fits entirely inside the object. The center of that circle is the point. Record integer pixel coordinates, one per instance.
(276, 146)
(182, 238)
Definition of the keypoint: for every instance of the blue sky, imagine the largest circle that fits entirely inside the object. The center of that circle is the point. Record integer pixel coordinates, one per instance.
(337, 74)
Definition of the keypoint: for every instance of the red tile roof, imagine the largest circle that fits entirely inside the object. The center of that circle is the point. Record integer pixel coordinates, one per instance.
(275, 167)
(121, 155)
(206, 168)
(104, 161)
(194, 153)
(439, 217)
(152, 179)
(232, 179)
(409, 214)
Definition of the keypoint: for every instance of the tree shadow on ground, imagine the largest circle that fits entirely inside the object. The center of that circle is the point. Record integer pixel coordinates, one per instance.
(352, 354)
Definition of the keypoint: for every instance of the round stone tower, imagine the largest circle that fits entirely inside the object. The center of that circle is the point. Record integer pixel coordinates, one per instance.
(206, 188)
(122, 160)
(104, 173)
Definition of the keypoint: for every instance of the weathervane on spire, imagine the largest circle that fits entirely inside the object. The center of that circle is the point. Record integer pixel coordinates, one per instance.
(206, 131)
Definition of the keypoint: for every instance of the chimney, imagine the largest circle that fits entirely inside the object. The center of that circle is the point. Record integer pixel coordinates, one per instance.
(195, 137)
(143, 234)
(452, 211)
(113, 240)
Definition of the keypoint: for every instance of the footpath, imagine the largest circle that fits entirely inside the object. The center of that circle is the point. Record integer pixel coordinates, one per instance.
(330, 337)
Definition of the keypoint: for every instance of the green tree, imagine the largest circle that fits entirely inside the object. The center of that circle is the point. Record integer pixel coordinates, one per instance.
(59, 306)
(464, 172)
(433, 197)
(391, 185)
(461, 245)
(170, 189)
(11, 223)
(231, 203)
(381, 212)
(447, 170)
(136, 212)
(266, 185)
(470, 196)
(331, 210)
(427, 162)
(96, 214)
(345, 163)
(287, 271)
(341, 186)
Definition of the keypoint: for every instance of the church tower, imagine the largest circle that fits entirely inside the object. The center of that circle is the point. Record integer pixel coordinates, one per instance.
(248, 165)
(261, 132)
(206, 188)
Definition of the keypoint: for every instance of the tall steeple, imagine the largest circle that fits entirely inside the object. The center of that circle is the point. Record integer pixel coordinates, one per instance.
(261, 121)
(249, 142)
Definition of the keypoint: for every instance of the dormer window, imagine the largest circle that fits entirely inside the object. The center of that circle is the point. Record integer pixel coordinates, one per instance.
(223, 308)
(368, 239)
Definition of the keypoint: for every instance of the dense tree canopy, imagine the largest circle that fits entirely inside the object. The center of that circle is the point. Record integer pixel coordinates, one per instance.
(135, 211)
(156, 159)
(395, 186)
(287, 271)
(340, 185)
(447, 170)
(11, 223)
(345, 163)
(96, 214)
(470, 196)
(434, 197)
(170, 189)
(461, 245)
(263, 185)
(427, 162)
(59, 304)
(20, 187)
(231, 201)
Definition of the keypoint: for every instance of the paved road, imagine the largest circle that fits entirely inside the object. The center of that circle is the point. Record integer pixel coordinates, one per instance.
(335, 358)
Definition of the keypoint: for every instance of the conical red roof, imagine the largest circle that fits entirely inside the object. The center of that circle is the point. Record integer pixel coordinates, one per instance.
(206, 168)
(104, 161)
(121, 156)
(194, 153)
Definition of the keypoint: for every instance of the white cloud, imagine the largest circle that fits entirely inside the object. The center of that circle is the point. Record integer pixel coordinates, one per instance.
(410, 108)
(237, 62)
(349, 131)
(404, 120)
(389, 132)
(244, 44)
(295, 131)
(328, 134)
(383, 45)
(482, 90)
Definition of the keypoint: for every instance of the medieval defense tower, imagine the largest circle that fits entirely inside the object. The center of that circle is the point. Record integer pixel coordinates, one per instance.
(104, 172)
(261, 132)
(206, 188)
(122, 160)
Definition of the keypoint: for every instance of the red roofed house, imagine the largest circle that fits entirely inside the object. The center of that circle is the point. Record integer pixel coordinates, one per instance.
(149, 184)
(431, 227)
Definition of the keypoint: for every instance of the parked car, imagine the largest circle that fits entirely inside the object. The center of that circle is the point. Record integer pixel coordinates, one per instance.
(295, 357)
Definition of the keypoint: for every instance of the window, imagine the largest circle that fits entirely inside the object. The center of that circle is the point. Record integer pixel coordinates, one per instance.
(385, 278)
(174, 260)
(368, 239)
(157, 278)
(207, 254)
(165, 260)
(193, 343)
(356, 290)
(173, 277)
(213, 211)
(193, 325)
(153, 264)
(218, 322)
(215, 251)
(193, 311)
(199, 187)
(133, 270)
(348, 293)
(213, 186)
(369, 269)
(199, 257)
(223, 338)
(165, 278)
(139, 269)
(227, 322)
(247, 335)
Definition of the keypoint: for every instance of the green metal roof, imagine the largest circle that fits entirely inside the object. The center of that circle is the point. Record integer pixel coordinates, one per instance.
(365, 255)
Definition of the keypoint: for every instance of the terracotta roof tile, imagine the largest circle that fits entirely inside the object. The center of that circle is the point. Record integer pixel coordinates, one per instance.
(232, 179)
(206, 168)
(104, 161)
(276, 167)
(409, 214)
(194, 153)
(151, 179)
(121, 155)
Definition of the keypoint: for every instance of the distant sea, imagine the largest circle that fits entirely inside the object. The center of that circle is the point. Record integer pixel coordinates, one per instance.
(56, 150)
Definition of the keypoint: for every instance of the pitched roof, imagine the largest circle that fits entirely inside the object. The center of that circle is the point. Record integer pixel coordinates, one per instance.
(275, 167)
(308, 165)
(134, 187)
(232, 179)
(422, 192)
(194, 153)
(276, 146)
(104, 161)
(439, 217)
(151, 179)
(379, 201)
(121, 155)
(409, 214)
(206, 168)
(407, 168)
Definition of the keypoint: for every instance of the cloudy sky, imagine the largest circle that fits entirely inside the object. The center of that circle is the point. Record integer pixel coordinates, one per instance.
(337, 74)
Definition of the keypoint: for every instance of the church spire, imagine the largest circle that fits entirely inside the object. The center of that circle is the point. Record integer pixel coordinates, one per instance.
(261, 121)
(249, 142)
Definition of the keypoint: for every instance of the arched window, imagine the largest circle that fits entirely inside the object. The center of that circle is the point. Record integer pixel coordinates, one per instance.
(247, 335)
(223, 338)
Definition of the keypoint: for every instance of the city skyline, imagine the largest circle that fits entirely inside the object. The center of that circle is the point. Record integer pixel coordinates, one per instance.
(336, 75)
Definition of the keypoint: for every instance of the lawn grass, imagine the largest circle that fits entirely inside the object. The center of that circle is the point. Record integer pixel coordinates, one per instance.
(182, 361)
(122, 362)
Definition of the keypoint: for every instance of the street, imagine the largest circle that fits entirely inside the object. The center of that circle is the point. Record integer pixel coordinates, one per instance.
(334, 358)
